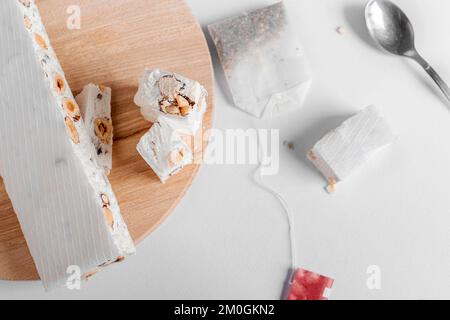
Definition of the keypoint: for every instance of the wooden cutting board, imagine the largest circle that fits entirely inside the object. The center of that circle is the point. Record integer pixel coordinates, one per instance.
(117, 40)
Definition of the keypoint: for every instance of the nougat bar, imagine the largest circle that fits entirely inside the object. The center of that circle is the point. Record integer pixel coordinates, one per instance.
(344, 150)
(95, 105)
(64, 202)
(164, 150)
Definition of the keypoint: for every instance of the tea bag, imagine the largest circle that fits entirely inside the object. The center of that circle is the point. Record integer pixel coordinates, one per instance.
(263, 61)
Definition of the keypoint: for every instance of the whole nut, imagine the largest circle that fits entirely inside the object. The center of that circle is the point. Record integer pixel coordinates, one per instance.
(72, 109)
(72, 130)
(182, 102)
(169, 86)
(173, 110)
(105, 200)
(59, 84)
(41, 41)
(104, 130)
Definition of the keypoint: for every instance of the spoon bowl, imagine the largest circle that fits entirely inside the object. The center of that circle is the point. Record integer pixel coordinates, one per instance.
(392, 30)
(390, 27)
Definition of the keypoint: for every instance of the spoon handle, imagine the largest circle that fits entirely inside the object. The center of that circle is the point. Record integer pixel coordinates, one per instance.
(434, 75)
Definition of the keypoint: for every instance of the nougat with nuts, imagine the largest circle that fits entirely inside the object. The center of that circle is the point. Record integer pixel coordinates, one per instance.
(65, 204)
(95, 105)
(164, 150)
(344, 150)
(180, 101)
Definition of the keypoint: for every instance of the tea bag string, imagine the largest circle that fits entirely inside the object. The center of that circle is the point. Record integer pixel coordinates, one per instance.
(259, 180)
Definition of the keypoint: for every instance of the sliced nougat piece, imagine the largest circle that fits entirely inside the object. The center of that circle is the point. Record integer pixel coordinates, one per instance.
(344, 150)
(64, 202)
(179, 100)
(95, 105)
(164, 150)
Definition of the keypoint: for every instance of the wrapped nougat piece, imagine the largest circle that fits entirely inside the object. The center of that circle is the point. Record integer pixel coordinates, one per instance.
(164, 150)
(64, 202)
(344, 150)
(95, 105)
(178, 100)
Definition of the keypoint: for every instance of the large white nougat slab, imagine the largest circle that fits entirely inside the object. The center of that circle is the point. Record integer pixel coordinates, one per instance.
(95, 105)
(180, 101)
(164, 150)
(344, 150)
(63, 199)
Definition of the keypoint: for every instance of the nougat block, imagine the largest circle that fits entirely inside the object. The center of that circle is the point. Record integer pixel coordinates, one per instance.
(65, 204)
(164, 150)
(95, 105)
(344, 150)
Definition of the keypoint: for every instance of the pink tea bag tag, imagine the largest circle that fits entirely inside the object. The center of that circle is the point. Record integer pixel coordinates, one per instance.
(307, 285)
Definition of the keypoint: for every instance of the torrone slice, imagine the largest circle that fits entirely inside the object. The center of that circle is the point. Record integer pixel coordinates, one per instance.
(66, 207)
(95, 105)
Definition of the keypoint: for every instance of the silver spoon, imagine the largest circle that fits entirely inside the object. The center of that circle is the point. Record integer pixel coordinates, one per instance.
(391, 29)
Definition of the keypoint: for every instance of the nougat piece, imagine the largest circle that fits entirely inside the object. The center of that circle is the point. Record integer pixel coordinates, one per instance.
(344, 150)
(309, 285)
(164, 150)
(178, 100)
(66, 207)
(95, 105)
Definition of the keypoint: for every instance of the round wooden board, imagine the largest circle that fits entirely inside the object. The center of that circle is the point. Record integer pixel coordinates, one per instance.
(117, 40)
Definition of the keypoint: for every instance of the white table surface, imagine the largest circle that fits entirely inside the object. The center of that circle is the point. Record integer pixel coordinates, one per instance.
(228, 239)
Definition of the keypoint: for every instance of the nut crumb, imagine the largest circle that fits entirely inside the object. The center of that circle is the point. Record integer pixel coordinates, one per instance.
(332, 182)
(289, 145)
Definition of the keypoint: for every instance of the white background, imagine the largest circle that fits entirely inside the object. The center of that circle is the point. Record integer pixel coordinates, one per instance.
(228, 239)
